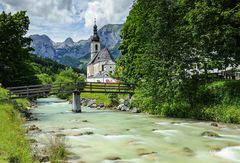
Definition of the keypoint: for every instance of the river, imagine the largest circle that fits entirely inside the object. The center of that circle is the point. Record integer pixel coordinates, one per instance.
(133, 138)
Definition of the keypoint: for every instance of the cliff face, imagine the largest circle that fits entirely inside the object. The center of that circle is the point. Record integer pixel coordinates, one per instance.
(70, 52)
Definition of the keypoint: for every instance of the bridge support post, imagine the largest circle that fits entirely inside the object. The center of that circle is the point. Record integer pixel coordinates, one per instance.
(76, 102)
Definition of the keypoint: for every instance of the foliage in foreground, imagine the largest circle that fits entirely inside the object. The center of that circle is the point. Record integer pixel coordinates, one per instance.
(13, 145)
(15, 64)
(216, 101)
(57, 150)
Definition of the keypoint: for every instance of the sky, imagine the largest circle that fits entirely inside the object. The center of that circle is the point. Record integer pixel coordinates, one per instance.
(60, 19)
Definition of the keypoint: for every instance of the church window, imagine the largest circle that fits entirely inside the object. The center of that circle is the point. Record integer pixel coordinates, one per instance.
(102, 67)
(96, 47)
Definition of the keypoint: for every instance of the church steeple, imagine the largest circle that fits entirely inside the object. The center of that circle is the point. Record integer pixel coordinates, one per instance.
(95, 42)
(95, 33)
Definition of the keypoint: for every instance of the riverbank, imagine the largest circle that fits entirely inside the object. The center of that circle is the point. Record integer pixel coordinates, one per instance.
(14, 146)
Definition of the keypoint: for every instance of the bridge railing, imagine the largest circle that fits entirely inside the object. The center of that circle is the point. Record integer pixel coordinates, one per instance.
(67, 88)
(29, 91)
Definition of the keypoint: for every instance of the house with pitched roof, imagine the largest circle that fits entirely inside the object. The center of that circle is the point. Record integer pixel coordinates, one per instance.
(102, 63)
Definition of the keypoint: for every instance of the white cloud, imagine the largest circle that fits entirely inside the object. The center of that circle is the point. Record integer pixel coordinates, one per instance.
(55, 11)
(107, 11)
(68, 18)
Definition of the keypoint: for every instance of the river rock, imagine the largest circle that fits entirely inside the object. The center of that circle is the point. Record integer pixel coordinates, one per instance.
(60, 135)
(93, 106)
(33, 128)
(101, 105)
(44, 158)
(32, 141)
(214, 124)
(143, 152)
(210, 134)
(187, 151)
(85, 133)
(126, 102)
(135, 110)
(120, 107)
(113, 158)
(125, 108)
(91, 103)
(174, 123)
(121, 101)
(84, 102)
(31, 118)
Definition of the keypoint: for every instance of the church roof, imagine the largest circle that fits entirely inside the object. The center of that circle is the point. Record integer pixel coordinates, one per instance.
(102, 56)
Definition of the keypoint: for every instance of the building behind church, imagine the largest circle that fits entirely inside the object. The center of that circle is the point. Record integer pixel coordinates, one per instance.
(102, 63)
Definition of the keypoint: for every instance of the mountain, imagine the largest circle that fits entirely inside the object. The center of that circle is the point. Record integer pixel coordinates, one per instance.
(43, 46)
(73, 53)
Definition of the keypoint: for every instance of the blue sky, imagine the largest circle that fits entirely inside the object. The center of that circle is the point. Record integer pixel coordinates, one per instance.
(60, 19)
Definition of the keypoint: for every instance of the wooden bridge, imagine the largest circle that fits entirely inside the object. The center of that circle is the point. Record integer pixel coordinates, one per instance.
(37, 91)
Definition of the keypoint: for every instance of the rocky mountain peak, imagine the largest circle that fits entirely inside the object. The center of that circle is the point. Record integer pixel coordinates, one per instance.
(69, 52)
(69, 41)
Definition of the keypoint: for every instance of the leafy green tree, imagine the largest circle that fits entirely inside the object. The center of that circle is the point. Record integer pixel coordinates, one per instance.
(68, 75)
(214, 27)
(15, 67)
(163, 39)
(45, 78)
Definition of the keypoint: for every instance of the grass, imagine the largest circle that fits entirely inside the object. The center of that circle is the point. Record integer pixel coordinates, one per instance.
(24, 103)
(57, 150)
(3, 93)
(101, 98)
(13, 145)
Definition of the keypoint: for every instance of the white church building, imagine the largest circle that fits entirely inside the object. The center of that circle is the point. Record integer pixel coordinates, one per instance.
(101, 64)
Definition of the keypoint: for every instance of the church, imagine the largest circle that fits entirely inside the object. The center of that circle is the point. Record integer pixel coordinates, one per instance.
(102, 63)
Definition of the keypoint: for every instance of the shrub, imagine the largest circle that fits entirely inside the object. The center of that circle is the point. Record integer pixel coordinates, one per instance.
(57, 149)
(113, 99)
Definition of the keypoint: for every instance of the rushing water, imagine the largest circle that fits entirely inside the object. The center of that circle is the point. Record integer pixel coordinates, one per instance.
(136, 138)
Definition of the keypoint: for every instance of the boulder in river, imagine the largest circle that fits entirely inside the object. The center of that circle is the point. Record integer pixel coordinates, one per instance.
(33, 128)
(125, 108)
(92, 103)
(135, 110)
(101, 105)
(175, 123)
(113, 158)
(85, 133)
(60, 135)
(143, 152)
(187, 151)
(93, 106)
(44, 159)
(214, 124)
(210, 134)
(31, 118)
(121, 101)
(120, 107)
(126, 103)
